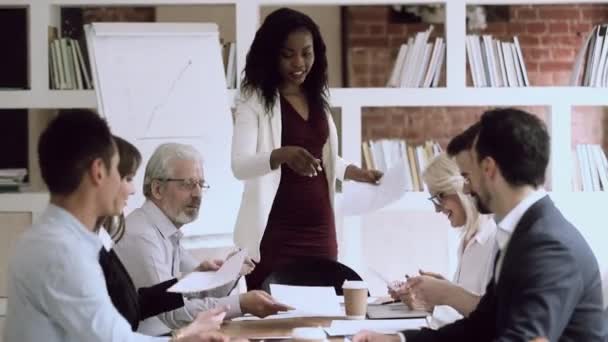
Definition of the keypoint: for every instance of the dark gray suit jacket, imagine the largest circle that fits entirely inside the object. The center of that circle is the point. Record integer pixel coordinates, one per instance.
(549, 286)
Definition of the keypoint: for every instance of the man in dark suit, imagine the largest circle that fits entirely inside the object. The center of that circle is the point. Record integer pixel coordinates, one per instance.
(546, 280)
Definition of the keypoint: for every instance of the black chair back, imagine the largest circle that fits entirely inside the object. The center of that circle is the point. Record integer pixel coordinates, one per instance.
(312, 272)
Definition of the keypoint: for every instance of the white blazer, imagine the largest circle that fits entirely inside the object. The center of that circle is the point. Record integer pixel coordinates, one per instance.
(256, 134)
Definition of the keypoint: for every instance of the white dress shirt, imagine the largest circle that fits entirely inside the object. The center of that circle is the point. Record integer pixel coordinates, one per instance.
(56, 288)
(507, 225)
(151, 252)
(474, 270)
(106, 239)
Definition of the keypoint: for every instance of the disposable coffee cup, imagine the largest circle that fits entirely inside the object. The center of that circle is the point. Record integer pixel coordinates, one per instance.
(308, 335)
(355, 299)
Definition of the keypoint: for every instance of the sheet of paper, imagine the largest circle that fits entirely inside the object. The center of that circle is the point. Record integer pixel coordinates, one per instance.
(318, 301)
(202, 281)
(382, 277)
(387, 326)
(361, 198)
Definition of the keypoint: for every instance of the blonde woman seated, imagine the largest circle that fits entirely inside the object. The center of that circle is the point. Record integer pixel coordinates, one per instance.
(450, 300)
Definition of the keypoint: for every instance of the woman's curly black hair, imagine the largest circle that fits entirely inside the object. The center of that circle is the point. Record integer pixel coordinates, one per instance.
(261, 72)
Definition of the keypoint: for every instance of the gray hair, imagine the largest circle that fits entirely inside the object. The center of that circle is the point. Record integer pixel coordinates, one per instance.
(159, 165)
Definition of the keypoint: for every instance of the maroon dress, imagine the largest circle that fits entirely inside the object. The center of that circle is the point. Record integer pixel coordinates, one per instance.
(301, 221)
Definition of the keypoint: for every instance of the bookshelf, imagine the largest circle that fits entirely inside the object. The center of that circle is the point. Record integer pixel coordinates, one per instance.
(349, 101)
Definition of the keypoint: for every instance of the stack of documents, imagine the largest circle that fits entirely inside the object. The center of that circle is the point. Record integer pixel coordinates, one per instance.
(11, 179)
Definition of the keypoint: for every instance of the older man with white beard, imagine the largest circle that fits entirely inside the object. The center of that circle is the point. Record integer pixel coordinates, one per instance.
(150, 249)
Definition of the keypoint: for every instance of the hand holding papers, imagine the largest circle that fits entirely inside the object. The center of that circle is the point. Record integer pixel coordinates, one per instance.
(216, 264)
(202, 281)
(362, 198)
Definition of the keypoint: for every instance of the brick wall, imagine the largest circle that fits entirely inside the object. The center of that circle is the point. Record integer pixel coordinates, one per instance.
(373, 43)
(119, 14)
(550, 37)
(418, 124)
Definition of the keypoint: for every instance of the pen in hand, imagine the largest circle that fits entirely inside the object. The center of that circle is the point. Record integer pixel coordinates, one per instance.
(391, 302)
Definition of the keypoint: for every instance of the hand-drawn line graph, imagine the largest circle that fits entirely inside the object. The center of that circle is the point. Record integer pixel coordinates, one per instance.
(167, 96)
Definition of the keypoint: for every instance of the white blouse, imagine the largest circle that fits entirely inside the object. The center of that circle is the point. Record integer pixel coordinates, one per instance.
(474, 270)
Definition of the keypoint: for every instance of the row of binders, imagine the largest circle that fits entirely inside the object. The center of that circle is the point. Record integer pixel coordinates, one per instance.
(493, 63)
(385, 153)
(590, 168)
(229, 58)
(591, 64)
(67, 67)
(419, 63)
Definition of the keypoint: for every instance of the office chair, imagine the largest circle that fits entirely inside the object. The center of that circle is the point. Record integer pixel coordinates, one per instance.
(311, 272)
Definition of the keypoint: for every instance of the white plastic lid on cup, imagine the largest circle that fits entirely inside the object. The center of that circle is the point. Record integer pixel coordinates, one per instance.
(354, 284)
(308, 334)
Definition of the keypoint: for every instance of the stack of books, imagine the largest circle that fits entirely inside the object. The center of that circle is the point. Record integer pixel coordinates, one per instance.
(11, 179)
(590, 168)
(418, 63)
(591, 64)
(67, 65)
(383, 154)
(493, 63)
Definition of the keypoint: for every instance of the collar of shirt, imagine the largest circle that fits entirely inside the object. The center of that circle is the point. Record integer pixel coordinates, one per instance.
(90, 241)
(166, 228)
(507, 225)
(487, 226)
(486, 230)
(106, 239)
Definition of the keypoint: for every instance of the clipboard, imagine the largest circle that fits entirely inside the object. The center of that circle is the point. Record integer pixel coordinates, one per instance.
(393, 311)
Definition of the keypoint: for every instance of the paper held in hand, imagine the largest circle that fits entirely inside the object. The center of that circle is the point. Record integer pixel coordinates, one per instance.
(362, 198)
(202, 281)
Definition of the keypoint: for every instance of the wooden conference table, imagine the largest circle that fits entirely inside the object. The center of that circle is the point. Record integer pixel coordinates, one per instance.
(277, 328)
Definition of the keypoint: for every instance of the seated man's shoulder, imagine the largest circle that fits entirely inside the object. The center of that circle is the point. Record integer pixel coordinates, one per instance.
(43, 241)
(42, 249)
(139, 227)
(137, 223)
(558, 231)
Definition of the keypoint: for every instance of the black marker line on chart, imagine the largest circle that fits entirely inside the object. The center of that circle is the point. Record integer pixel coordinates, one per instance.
(167, 96)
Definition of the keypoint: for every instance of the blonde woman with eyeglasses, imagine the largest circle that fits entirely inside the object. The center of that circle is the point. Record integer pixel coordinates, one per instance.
(450, 300)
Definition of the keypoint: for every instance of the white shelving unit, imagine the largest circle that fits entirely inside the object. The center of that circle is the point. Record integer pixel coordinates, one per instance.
(559, 100)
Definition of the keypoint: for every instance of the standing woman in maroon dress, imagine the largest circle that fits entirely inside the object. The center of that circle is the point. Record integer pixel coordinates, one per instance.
(285, 147)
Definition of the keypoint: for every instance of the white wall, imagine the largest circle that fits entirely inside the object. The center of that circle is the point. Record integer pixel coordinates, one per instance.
(223, 15)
